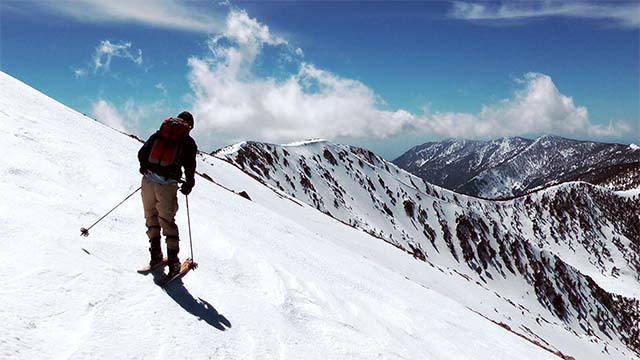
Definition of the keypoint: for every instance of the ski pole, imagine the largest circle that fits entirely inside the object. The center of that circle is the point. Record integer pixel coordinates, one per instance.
(85, 231)
(193, 263)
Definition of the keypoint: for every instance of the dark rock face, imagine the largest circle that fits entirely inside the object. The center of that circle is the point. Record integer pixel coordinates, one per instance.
(526, 240)
(510, 167)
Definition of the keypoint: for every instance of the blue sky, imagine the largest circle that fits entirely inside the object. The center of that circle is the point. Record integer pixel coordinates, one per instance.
(384, 75)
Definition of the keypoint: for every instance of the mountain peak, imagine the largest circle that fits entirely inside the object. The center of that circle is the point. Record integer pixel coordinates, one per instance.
(307, 142)
(512, 166)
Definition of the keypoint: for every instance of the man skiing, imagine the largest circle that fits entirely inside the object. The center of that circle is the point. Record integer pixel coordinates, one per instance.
(162, 158)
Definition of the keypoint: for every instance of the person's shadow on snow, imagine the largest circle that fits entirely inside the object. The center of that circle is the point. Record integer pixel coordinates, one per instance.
(196, 307)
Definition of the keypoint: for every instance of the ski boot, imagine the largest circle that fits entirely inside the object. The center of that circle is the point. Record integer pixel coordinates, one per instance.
(155, 251)
(173, 262)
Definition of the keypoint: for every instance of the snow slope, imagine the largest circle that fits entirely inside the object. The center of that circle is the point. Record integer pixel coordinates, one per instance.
(277, 279)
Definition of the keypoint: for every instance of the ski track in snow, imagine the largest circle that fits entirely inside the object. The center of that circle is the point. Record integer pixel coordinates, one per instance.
(276, 280)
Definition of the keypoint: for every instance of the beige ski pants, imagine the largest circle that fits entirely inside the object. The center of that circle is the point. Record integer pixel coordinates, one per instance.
(160, 204)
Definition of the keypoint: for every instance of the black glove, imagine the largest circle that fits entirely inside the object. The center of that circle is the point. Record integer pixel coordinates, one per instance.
(186, 187)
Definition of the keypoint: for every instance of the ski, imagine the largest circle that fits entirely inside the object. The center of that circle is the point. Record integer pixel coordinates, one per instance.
(185, 267)
(147, 269)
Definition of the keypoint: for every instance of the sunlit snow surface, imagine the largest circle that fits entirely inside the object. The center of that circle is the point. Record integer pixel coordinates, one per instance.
(277, 279)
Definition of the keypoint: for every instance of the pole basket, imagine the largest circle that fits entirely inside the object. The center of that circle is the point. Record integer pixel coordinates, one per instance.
(192, 265)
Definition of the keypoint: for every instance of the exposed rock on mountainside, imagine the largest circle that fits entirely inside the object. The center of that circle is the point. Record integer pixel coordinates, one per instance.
(513, 166)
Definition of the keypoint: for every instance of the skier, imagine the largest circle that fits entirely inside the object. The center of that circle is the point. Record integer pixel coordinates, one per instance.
(162, 158)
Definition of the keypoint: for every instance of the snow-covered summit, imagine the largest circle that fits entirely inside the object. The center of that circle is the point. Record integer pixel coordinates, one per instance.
(306, 142)
(233, 148)
(513, 166)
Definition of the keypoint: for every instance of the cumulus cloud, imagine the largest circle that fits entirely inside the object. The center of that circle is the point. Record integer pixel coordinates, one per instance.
(620, 13)
(230, 100)
(237, 47)
(172, 14)
(107, 50)
(537, 108)
(232, 103)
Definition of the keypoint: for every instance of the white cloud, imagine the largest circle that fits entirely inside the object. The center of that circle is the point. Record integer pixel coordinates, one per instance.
(620, 13)
(247, 38)
(172, 14)
(130, 117)
(107, 50)
(537, 108)
(107, 114)
(230, 100)
(232, 103)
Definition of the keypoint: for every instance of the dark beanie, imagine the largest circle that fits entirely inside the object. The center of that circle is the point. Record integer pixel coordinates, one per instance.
(186, 116)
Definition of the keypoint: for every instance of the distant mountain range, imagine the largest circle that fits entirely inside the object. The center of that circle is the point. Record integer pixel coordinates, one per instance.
(513, 166)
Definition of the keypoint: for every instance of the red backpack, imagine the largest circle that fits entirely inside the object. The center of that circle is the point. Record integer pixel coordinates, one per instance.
(167, 145)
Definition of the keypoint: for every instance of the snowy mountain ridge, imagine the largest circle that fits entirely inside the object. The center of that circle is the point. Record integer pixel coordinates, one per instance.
(510, 167)
(562, 246)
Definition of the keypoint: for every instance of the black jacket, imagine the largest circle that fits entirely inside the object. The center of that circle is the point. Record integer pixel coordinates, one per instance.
(188, 152)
